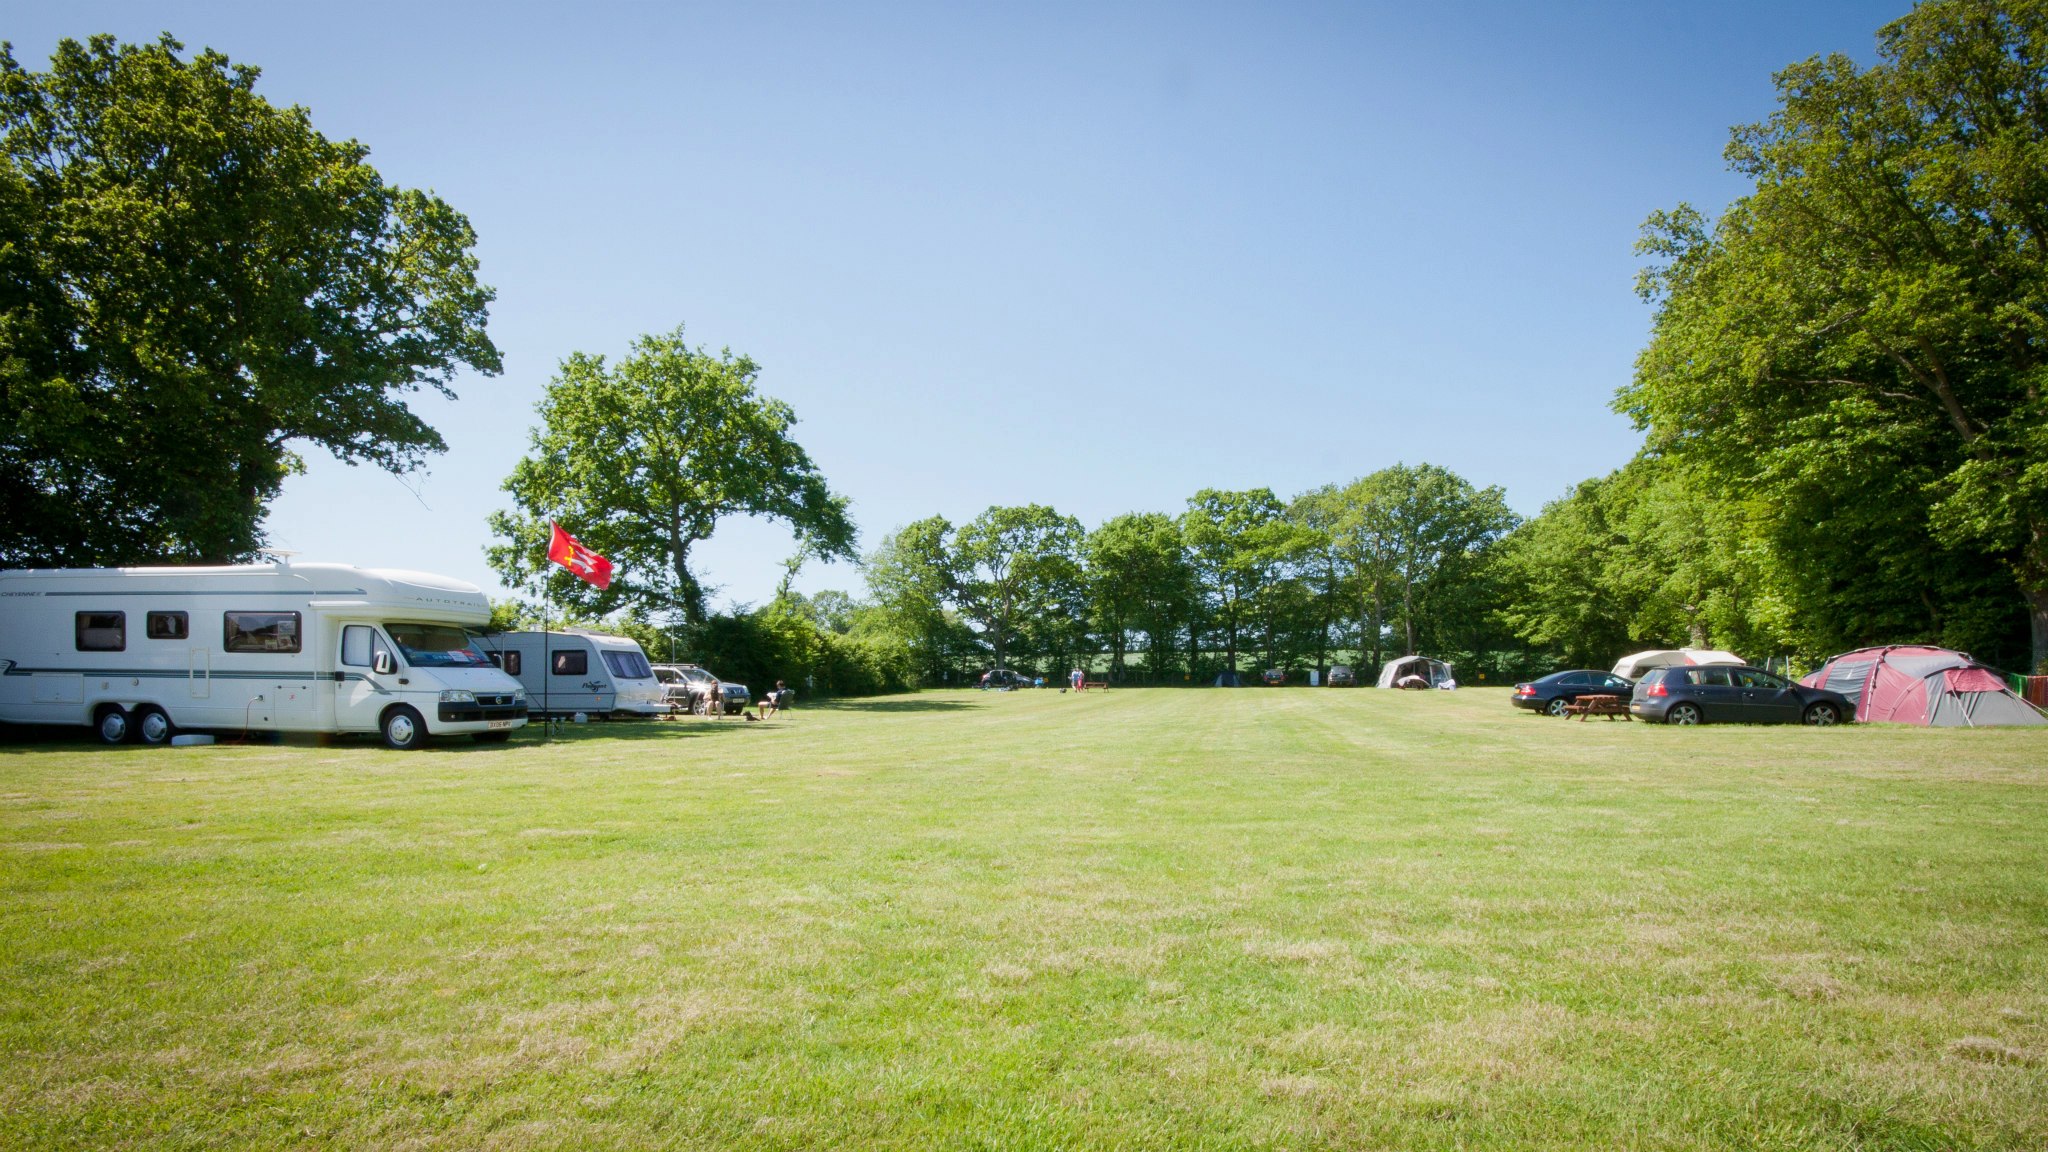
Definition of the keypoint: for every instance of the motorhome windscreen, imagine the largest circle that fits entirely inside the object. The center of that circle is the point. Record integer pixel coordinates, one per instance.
(436, 646)
(628, 665)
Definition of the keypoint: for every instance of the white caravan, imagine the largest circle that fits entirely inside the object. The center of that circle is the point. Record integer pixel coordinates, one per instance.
(136, 653)
(577, 671)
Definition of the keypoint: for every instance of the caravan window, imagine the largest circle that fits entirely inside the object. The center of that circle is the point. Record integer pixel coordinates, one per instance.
(102, 631)
(165, 626)
(276, 632)
(572, 663)
(508, 660)
(628, 665)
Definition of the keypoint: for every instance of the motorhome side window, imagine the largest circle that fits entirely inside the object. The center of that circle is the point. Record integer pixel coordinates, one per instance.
(572, 663)
(260, 631)
(509, 661)
(166, 626)
(102, 631)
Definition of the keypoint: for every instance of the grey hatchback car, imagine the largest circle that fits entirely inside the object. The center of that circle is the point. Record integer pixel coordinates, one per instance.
(1733, 694)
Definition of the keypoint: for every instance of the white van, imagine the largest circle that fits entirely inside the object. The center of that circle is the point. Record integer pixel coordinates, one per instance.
(576, 671)
(136, 653)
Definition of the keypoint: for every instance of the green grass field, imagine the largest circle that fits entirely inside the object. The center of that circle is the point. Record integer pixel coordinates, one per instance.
(1142, 919)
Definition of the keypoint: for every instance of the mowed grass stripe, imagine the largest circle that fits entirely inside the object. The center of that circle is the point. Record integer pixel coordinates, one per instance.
(1141, 918)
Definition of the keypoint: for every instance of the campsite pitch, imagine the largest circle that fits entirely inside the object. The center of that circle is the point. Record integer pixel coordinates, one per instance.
(1139, 919)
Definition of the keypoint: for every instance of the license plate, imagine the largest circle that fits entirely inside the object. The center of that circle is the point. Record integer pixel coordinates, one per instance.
(496, 724)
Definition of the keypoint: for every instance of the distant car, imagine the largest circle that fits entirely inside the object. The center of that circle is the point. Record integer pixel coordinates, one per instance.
(1734, 694)
(690, 688)
(1274, 676)
(1552, 694)
(1341, 676)
(1004, 680)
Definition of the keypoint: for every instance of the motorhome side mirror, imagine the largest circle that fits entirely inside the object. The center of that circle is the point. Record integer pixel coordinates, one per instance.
(383, 664)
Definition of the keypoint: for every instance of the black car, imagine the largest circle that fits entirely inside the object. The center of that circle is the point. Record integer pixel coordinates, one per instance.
(1554, 692)
(1734, 694)
(1004, 680)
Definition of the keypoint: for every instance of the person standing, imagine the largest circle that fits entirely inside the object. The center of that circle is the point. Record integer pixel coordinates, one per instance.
(1079, 681)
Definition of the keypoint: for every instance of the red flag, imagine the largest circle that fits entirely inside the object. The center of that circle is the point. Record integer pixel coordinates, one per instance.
(588, 566)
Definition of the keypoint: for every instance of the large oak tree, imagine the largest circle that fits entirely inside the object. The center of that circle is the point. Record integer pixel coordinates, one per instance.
(193, 283)
(641, 461)
(1882, 293)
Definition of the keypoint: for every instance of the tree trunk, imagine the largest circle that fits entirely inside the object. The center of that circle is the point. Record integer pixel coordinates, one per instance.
(1408, 615)
(1002, 624)
(2037, 611)
(1230, 636)
(2032, 571)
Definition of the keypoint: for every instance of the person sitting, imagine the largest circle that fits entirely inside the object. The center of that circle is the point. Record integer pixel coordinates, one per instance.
(778, 700)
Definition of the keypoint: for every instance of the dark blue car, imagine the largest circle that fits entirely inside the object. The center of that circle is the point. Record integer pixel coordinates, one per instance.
(1734, 694)
(1554, 692)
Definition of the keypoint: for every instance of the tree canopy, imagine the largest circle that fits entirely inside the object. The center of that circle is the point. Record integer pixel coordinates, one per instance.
(193, 282)
(1878, 304)
(641, 461)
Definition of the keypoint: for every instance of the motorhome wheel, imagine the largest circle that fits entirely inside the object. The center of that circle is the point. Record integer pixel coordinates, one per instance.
(403, 729)
(152, 727)
(112, 726)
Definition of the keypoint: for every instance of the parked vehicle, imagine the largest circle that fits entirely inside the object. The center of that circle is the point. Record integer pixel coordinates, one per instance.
(693, 689)
(1554, 693)
(139, 653)
(1739, 695)
(577, 671)
(1341, 676)
(1003, 680)
(1274, 676)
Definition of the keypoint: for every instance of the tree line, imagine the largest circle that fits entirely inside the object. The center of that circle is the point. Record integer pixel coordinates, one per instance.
(1397, 561)
(1844, 403)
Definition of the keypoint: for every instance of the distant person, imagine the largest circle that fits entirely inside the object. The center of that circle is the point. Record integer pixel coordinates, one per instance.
(1079, 681)
(777, 701)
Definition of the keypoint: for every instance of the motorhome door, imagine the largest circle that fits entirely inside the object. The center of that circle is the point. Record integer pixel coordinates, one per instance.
(366, 678)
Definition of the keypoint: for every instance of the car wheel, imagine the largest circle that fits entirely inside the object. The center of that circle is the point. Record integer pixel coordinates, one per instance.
(111, 726)
(1557, 707)
(1823, 716)
(152, 727)
(403, 730)
(700, 707)
(1684, 714)
(490, 737)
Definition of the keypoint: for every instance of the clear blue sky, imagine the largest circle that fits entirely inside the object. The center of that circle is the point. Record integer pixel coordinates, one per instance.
(1091, 256)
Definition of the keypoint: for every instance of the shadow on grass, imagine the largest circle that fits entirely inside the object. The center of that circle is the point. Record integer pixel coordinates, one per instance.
(20, 739)
(893, 706)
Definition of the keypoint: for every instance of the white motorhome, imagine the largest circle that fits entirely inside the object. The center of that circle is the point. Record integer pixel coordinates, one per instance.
(577, 671)
(136, 653)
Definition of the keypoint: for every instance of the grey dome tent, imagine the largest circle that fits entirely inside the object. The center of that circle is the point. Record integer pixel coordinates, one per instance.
(1915, 684)
(1229, 679)
(1432, 673)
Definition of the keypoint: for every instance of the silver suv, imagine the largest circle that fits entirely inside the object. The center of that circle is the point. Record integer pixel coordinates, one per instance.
(689, 688)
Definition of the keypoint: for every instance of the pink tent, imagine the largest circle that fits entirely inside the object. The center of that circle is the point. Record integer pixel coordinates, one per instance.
(1911, 684)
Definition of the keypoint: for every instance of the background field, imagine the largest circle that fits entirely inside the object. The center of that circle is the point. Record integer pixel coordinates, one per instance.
(1285, 918)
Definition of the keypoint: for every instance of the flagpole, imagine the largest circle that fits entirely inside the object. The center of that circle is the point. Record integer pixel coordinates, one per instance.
(547, 665)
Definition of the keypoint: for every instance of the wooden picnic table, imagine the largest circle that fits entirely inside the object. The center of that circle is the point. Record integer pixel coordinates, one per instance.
(1608, 706)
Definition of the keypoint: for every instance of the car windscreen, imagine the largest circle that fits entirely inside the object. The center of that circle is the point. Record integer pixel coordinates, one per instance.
(436, 646)
(628, 665)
